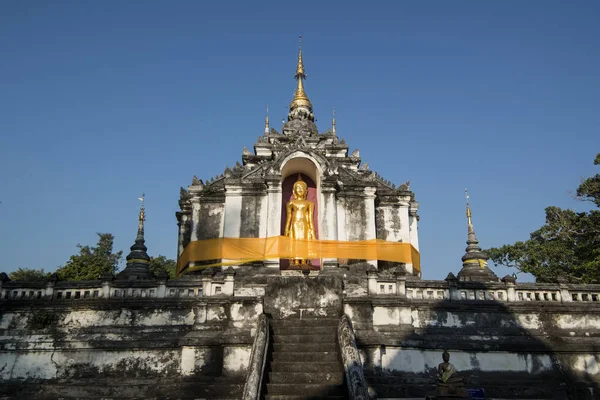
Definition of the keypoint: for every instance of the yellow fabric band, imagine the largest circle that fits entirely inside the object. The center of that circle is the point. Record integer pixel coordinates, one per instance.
(482, 263)
(244, 250)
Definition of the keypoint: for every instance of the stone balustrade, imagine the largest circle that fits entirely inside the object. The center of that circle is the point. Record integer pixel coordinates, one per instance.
(451, 289)
(206, 285)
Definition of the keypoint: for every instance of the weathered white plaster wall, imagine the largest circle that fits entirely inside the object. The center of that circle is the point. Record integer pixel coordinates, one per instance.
(233, 211)
(243, 315)
(236, 360)
(64, 342)
(577, 321)
(66, 364)
(587, 363)
(422, 361)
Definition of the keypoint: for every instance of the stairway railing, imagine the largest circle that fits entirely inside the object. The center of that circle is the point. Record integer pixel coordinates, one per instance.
(258, 360)
(355, 377)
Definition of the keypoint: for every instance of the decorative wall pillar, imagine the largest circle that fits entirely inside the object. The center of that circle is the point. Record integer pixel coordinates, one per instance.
(183, 223)
(105, 288)
(228, 286)
(49, 290)
(404, 234)
(206, 286)
(565, 294)
(161, 291)
(372, 282)
(328, 221)
(273, 213)
(511, 283)
(370, 227)
(401, 286)
(340, 208)
(453, 292)
(195, 201)
(195, 217)
(413, 227)
(263, 219)
(403, 213)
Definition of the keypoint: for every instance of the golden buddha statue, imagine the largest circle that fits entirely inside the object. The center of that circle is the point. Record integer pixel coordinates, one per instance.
(299, 219)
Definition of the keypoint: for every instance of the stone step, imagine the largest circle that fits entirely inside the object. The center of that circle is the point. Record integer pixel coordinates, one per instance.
(325, 378)
(306, 389)
(305, 347)
(308, 357)
(313, 322)
(313, 366)
(304, 330)
(183, 390)
(330, 338)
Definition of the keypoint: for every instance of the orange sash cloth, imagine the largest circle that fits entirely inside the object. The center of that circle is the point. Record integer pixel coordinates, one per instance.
(245, 250)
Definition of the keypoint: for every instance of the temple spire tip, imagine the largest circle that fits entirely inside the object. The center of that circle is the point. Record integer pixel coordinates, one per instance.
(141, 218)
(300, 101)
(267, 122)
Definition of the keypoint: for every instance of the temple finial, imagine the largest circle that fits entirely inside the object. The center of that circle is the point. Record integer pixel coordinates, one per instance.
(333, 123)
(141, 218)
(267, 122)
(471, 238)
(301, 106)
(469, 222)
(300, 67)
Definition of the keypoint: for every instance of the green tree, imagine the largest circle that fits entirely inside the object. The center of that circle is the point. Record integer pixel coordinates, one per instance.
(91, 262)
(28, 274)
(567, 246)
(162, 263)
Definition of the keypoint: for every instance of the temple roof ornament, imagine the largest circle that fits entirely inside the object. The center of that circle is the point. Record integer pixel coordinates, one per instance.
(475, 266)
(301, 120)
(333, 131)
(300, 98)
(267, 130)
(138, 260)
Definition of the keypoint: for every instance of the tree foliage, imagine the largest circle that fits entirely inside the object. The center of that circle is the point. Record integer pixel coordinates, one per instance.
(567, 246)
(91, 262)
(162, 263)
(29, 274)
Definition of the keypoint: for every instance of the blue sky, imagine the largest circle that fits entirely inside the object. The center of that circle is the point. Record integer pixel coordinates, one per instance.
(101, 101)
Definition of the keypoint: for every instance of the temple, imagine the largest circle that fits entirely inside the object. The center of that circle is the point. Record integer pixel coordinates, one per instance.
(299, 276)
(352, 203)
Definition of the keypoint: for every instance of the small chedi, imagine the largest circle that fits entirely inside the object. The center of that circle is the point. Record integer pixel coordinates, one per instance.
(299, 276)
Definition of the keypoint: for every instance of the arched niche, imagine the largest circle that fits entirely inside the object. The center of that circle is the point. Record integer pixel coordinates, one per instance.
(303, 163)
(308, 167)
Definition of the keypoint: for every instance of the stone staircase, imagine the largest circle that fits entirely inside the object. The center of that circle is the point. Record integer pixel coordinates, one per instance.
(304, 362)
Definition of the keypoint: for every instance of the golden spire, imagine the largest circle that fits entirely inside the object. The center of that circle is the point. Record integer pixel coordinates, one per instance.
(300, 97)
(469, 222)
(267, 122)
